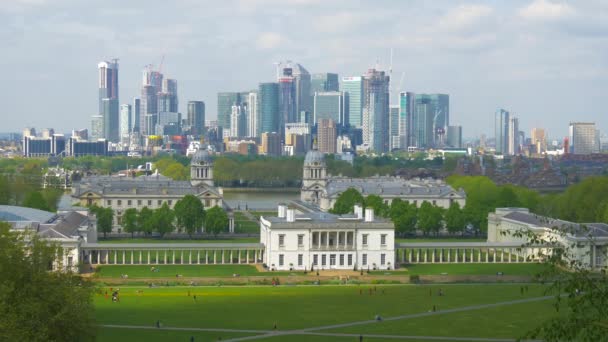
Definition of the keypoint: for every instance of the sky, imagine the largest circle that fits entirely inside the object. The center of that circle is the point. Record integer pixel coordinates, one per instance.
(545, 61)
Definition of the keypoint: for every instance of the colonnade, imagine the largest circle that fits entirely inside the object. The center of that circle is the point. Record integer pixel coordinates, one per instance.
(169, 256)
(472, 254)
(341, 240)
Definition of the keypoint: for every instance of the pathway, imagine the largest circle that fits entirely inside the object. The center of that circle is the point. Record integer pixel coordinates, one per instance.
(315, 330)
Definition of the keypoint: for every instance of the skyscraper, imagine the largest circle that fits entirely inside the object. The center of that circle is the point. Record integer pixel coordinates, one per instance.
(375, 120)
(196, 117)
(136, 114)
(302, 83)
(238, 121)
(287, 100)
(271, 144)
(354, 87)
(539, 140)
(513, 147)
(323, 83)
(454, 136)
(406, 113)
(268, 107)
(151, 85)
(126, 125)
(582, 137)
(331, 105)
(326, 136)
(225, 101)
(108, 98)
(169, 93)
(395, 139)
(501, 131)
(252, 114)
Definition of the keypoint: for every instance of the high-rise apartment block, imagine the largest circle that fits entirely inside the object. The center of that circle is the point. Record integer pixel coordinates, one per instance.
(252, 115)
(238, 122)
(353, 86)
(454, 139)
(514, 137)
(326, 136)
(539, 140)
(271, 144)
(375, 120)
(108, 99)
(582, 138)
(126, 125)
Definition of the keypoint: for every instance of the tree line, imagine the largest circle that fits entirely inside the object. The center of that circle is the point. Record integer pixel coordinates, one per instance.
(21, 185)
(188, 215)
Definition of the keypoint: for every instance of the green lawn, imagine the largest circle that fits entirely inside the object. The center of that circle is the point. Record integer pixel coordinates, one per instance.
(157, 240)
(242, 224)
(168, 271)
(160, 335)
(291, 307)
(530, 269)
(440, 239)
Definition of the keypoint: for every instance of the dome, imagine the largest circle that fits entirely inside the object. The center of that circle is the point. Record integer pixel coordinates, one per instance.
(314, 157)
(201, 156)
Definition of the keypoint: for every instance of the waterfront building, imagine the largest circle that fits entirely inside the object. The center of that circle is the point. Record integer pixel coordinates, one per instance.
(322, 189)
(353, 86)
(501, 131)
(582, 137)
(322, 241)
(76, 147)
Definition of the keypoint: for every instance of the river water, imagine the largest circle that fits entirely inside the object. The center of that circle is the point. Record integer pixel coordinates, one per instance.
(258, 200)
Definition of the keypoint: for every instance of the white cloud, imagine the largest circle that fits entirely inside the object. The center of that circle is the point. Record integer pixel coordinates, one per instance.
(464, 16)
(269, 40)
(543, 10)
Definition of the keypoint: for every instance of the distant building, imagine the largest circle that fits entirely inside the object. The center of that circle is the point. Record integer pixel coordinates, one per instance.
(323, 83)
(353, 85)
(81, 133)
(429, 117)
(501, 131)
(268, 107)
(394, 116)
(375, 119)
(108, 99)
(299, 136)
(539, 140)
(136, 120)
(271, 144)
(454, 136)
(196, 117)
(513, 147)
(326, 136)
(252, 115)
(126, 125)
(238, 121)
(321, 189)
(76, 147)
(331, 105)
(321, 241)
(582, 137)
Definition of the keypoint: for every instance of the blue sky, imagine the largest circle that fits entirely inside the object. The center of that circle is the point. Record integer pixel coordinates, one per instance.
(546, 61)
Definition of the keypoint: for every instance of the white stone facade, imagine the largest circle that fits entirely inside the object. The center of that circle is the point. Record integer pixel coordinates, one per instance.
(321, 241)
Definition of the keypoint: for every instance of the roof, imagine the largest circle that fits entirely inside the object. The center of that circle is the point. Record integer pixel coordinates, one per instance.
(314, 156)
(392, 186)
(323, 220)
(155, 185)
(14, 213)
(581, 230)
(201, 156)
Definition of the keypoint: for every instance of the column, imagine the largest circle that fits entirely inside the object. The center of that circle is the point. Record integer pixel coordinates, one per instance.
(441, 255)
(165, 257)
(198, 257)
(487, 255)
(426, 253)
(417, 255)
(247, 256)
(327, 240)
(510, 253)
(411, 255)
(223, 252)
(255, 255)
(214, 257)
(433, 259)
(206, 257)
(502, 255)
(98, 257)
(172, 257)
(449, 255)
(148, 257)
(239, 251)
(190, 257)
(472, 256)
(132, 252)
(494, 255)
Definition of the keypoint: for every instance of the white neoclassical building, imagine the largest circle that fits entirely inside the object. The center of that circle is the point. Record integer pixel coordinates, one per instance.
(587, 242)
(322, 189)
(321, 241)
(121, 193)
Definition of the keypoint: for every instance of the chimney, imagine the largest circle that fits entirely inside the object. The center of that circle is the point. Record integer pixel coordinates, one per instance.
(369, 215)
(358, 211)
(282, 209)
(291, 215)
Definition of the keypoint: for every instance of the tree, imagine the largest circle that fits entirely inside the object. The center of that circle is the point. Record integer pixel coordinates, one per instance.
(375, 202)
(5, 190)
(129, 221)
(454, 218)
(162, 220)
(37, 305)
(105, 216)
(429, 217)
(144, 220)
(190, 213)
(346, 201)
(216, 220)
(34, 199)
(404, 216)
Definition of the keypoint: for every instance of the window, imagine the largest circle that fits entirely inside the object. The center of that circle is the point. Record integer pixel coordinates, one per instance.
(109, 202)
(282, 240)
(300, 240)
(281, 259)
(159, 202)
(364, 240)
(300, 259)
(129, 202)
(364, 259)
(382, 259)
(341, 259)
(138, 202)
(150, 202)
(315, 259)
(70, 261)
(350, 260)
(383, 239)
(434, 202)
(170, 202)
(119, 202)
(332, 260)
(323, 259)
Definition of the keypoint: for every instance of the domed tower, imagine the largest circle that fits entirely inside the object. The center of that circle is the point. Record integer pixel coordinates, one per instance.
(201, 168)
(314, 180)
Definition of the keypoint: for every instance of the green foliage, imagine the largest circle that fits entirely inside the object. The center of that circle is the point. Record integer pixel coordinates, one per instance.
(404, 216)
(429, 218)
(375, 202)
(454, 218)
(216, 220)
(346, 201)
(190, 213)
(257, 171)
(37, 305)
(162, 220)
(35, 200)
(584, 202)
(105, 217)
(5, 190)
(145, 220)
(129, 221)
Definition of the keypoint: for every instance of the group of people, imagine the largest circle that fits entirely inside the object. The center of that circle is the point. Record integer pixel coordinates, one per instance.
(372, 290)
(154, 269)
(115, 295)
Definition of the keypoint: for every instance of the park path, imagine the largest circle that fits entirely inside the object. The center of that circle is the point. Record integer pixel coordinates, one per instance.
(314, 331)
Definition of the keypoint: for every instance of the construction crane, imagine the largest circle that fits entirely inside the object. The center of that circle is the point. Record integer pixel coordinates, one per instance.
(160, 66)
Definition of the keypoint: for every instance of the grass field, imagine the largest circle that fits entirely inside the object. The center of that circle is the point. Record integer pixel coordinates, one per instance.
(466, 269)
(169, 271)
(298, 307)
(242, 224)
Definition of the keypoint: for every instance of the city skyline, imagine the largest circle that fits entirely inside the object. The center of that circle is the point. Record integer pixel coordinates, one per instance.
(563, 54)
